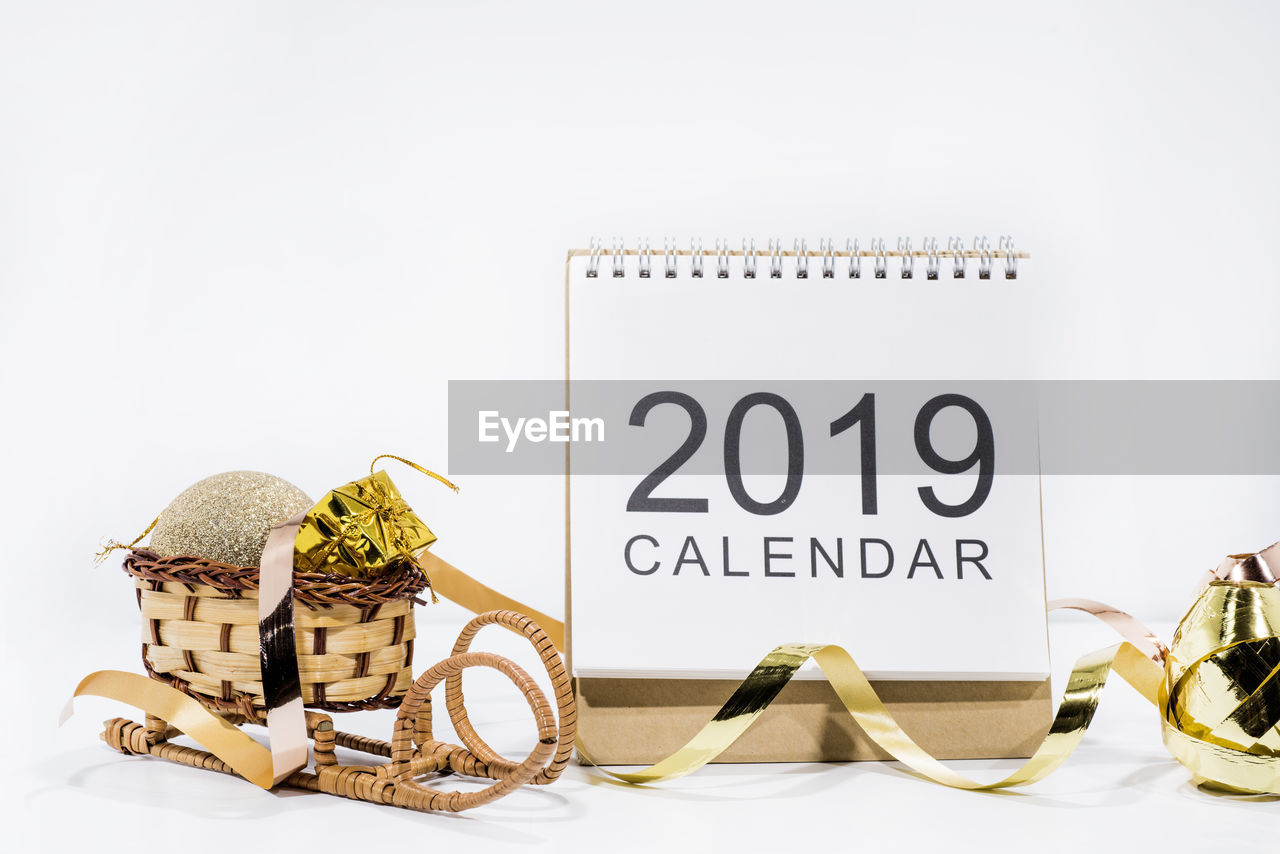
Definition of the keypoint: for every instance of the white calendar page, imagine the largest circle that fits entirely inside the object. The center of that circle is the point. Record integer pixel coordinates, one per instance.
(698, 566)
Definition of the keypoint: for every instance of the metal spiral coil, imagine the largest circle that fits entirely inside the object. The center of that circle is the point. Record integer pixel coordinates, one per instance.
(747, 259)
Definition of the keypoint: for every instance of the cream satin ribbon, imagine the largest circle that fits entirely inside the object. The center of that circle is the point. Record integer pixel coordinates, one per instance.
(281, 684)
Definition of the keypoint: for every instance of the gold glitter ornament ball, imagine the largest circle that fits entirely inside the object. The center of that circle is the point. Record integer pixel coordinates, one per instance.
(227, 517)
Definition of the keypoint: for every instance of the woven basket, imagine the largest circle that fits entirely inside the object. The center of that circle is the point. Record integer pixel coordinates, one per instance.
(200, 633)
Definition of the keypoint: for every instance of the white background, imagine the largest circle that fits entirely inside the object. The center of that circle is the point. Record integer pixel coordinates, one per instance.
(249, 235)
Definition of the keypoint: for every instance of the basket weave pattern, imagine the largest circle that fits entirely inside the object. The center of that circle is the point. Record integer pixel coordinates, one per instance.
(200, 633)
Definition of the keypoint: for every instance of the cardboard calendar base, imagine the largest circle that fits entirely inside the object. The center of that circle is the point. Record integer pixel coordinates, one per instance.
(640, 721)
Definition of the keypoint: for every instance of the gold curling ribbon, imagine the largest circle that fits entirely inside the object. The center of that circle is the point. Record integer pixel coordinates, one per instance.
(1080, 701)
(1140, 660)
(461, 589)
(775, 670)
(244, 755)
(854, 690)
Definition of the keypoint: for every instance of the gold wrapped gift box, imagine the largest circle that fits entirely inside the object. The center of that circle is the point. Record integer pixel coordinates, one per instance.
(363, 529)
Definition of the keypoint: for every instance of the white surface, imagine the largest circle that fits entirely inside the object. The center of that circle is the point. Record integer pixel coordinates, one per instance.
(197, 200)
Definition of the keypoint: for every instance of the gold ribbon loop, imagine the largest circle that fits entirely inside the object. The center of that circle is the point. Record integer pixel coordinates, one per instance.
(413, 465)
(1124, 623)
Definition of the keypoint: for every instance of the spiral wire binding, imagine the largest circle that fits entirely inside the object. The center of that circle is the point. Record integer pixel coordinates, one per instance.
(855, 259)
(984, 257)
(1004, 254)
(955, 246)
(802, 259)
(593, 259)
(882, 261)
(618, 250)
(1010, 259)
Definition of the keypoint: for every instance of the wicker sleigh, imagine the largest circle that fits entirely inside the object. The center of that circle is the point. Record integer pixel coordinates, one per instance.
(354, 641)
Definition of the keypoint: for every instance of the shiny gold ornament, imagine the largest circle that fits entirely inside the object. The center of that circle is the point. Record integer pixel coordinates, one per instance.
(1221, 692)
(363, 529)
(226, 517)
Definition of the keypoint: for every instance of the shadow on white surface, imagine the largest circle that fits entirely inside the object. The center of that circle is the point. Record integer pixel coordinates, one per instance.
(147, 785)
